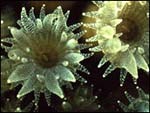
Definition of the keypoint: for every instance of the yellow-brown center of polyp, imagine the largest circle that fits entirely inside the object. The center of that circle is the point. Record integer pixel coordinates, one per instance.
(129, 29)
(47, 59)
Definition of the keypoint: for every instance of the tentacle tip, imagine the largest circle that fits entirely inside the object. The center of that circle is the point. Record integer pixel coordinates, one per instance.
(59, 7)
(23, 8)
(18, 109)
(88, 73)
(99, 106)
(90, 49)
(98, 66)
(85, 31)
(74, 80)
(81, 23)
(9, 27)
(62, 96)
(92, 85)
(8, 81)
(18, 96)
(121, 85)
(135, 82)
(2, 21)
(83, 14)
(125, 92)
(104, 75)
(137, 87)
(36, 104)
(32, 8)
(96, 97)
(147, 70)
(43, 5)
(49, 105)
(85, 81)
(118, 101)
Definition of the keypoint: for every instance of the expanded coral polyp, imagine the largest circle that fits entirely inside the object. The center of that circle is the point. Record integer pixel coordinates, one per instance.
(122, 33)
(45, 52)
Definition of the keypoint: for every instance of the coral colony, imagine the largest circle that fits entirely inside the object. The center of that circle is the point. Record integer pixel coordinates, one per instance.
(44, 54)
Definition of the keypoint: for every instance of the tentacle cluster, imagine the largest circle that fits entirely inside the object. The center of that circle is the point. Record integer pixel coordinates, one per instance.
(46, 53)
(122, 29)
(140, 104)
(12, 104)
(81, 100)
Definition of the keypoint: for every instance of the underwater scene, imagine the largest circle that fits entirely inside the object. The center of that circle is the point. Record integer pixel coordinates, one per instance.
(75, 56)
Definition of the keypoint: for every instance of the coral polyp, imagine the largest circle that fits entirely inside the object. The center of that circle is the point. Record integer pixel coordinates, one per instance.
(140, 104)
(82, 99)
(122, 33)
(45, 53)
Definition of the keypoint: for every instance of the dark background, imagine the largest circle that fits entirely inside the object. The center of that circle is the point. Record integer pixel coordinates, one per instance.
(108, 89)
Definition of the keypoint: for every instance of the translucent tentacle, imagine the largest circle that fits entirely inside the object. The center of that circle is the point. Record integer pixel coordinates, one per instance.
(123, 106)
(102, 61)
(75, 26)
(83, 69)
(47, 97)
(42, 12)
(27, 23)
(80, 34)
(129, 97)
(67, 15)
(31, 14)
(87, 55)
(123, 74)
(109, 70)
(83, 46)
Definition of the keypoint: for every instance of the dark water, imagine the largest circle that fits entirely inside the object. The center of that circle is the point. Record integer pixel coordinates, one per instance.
(108, 89)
